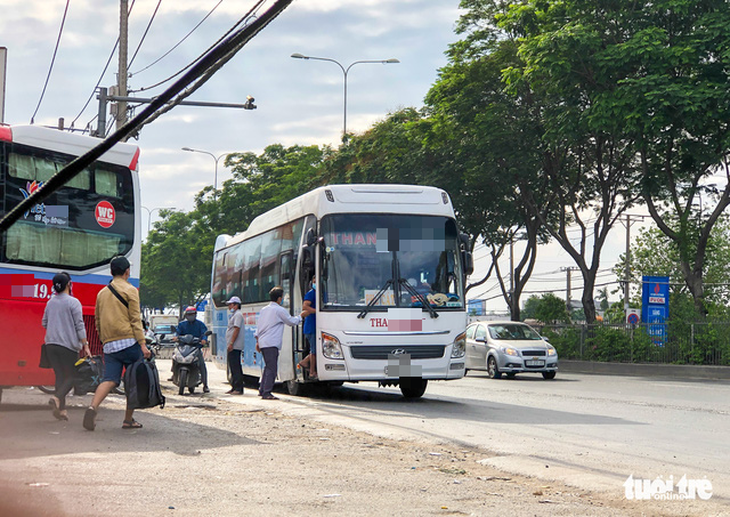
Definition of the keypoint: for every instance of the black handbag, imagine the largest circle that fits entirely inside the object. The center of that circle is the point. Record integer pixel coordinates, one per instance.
(44, 363)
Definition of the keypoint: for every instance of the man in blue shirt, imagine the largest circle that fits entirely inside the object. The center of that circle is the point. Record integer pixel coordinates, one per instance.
(192, 325)
(309, 329)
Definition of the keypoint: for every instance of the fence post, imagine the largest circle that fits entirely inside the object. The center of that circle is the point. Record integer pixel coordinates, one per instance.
(582, 339)
(691, 342)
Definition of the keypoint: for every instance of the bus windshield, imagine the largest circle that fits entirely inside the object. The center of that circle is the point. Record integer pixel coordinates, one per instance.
(367, 259)
(66, 230)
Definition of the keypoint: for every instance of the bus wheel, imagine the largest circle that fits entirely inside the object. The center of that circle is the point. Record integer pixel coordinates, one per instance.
(295, 388)
(1, 395)
(48, 390)
(413, 387)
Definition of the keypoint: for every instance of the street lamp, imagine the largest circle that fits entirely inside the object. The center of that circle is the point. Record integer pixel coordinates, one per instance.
(149, 213)
(345, 72)
(216, 158)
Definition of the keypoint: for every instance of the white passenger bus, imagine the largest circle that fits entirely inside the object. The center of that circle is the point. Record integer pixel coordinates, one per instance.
(390, 266)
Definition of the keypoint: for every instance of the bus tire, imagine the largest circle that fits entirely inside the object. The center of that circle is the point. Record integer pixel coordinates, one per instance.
(182, 381)
(295, 388)
(413, 387)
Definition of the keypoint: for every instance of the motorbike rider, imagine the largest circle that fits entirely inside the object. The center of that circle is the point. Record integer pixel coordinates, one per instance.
(192, 325)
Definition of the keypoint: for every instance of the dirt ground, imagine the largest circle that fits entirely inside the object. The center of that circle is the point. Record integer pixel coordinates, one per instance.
(221, 455)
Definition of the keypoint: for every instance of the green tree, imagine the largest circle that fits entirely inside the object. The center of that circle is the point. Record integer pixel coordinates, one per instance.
(649, 81)
(173, 269)
(654, 253)
(551, 310)
(177, 257)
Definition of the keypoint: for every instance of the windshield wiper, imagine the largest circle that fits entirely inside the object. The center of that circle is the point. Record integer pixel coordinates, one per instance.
(375, 299)
(403, 282)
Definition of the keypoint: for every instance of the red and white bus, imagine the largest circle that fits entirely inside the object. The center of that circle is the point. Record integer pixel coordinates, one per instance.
(78, 229)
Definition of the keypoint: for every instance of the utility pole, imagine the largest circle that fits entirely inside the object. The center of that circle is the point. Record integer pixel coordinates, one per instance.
(627, 267)
(122, 75)
(568, 287)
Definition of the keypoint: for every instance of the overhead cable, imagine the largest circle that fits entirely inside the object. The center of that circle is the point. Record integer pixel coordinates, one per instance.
(103, 72)
(53, 60)
(193, 79)
(250, 15)
(178, 43)
(149, 24)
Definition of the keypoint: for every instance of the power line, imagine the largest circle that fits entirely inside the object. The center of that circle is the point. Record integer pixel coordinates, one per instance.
(53, 60)
(178, 43)
(242, 20)
(101, 77)
(171, 97)
(152, 18)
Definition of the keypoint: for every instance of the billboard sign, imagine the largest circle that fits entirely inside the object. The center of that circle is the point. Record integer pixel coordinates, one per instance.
(655, 306)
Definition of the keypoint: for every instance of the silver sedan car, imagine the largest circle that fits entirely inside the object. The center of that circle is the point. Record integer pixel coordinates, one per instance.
(509, 347)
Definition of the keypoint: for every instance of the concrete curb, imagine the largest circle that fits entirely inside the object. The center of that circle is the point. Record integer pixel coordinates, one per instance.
(679, 371)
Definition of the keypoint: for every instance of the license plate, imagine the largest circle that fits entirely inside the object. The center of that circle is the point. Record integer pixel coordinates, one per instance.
(534, 363)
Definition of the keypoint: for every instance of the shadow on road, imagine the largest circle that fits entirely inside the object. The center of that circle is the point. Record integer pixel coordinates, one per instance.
(29, 430)
(373, 401)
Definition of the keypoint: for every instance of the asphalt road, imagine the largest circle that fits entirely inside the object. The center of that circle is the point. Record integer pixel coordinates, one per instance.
(589, 431)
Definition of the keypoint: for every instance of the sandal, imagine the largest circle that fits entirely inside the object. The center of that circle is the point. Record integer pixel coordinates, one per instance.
(90, 419)
(53, 401)
(131, 424)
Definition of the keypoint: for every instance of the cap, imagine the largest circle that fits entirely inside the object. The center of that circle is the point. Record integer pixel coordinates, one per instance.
(60, 281)
(190, 309)
(119, 263)
(234, 299)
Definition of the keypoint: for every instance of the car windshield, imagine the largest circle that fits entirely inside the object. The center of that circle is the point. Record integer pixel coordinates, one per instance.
(513, 331)
(370, 257)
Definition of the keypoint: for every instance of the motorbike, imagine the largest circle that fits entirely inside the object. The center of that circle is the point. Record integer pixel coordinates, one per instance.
(185, 370)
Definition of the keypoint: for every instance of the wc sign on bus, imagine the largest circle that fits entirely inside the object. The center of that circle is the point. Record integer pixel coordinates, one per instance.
(105, 214)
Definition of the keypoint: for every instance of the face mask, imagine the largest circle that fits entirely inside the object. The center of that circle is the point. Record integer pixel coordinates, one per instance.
(314, 285)
(190, 317)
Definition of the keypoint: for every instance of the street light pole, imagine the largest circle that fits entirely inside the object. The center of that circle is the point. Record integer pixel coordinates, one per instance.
(345, 71)
(149, 213)
(216, 159)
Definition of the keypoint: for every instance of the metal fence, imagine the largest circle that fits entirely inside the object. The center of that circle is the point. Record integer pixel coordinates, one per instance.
(672, 343)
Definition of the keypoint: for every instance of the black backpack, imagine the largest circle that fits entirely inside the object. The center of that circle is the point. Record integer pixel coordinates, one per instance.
(142, 385)
(89, 373)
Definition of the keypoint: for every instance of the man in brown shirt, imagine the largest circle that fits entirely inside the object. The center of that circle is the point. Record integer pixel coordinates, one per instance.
(119, 324)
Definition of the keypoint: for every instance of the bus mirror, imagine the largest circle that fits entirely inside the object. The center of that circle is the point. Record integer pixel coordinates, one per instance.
(311, 237)
(464, 237)
(468, 262)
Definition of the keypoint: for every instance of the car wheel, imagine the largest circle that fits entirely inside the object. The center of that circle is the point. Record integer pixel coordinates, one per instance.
(492, 370)
(548, 375)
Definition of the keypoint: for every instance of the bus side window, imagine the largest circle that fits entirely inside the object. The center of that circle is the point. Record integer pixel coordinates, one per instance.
(285, 261)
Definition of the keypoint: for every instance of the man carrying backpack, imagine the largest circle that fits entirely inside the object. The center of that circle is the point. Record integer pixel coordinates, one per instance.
(119, 325)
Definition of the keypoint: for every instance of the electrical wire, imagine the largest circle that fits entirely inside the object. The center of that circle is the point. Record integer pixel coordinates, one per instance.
(178, 43)
(53, 60)
(139, 46)
(171, 97)
(103, 72)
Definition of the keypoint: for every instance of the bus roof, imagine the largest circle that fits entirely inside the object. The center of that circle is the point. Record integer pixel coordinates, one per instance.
(355, 198)
(68, 143)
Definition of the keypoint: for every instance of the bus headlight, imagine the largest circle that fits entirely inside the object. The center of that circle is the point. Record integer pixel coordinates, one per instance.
(459, 348)
(331, 347)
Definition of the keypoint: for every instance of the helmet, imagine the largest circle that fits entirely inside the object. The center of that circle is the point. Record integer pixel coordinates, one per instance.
(190, 310)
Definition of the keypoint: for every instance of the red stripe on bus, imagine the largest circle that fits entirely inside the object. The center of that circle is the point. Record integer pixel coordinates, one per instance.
(133, 164)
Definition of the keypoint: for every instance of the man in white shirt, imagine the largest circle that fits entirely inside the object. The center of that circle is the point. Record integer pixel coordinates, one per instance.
(269, 334)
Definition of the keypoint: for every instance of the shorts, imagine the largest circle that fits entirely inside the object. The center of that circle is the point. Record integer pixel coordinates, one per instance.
(115, 362)
(312, 340)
